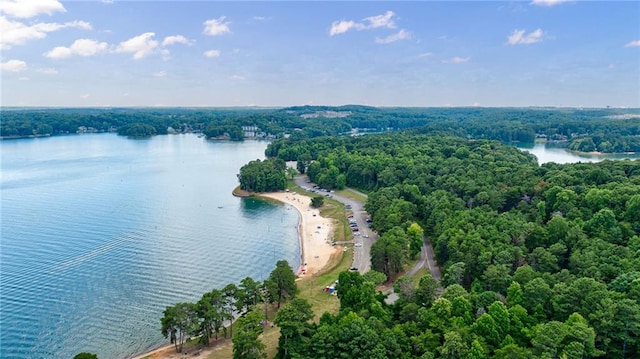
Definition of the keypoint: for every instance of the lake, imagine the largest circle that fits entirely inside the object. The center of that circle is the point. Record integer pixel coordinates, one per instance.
(549, 153)
(100, 233)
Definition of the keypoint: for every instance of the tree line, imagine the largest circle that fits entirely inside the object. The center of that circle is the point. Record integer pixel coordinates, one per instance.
(234, 304)
(539, 261)
(604, 130)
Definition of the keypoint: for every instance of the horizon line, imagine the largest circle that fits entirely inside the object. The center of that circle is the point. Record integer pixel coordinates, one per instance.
(314, 105)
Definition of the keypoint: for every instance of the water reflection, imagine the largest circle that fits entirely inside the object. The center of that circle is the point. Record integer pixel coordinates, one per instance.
(554, 153)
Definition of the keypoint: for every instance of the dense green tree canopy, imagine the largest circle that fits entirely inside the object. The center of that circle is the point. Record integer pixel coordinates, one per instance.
(538, 261)
(604, 130)
(263, 176)
(282, 283)
(85, 355)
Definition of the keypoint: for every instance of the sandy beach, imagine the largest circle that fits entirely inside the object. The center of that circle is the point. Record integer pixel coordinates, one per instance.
(315, 242)
(315, 231)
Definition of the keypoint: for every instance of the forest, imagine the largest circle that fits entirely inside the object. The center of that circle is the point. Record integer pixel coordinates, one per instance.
(586, 130)
(263, 176)
(538, 261)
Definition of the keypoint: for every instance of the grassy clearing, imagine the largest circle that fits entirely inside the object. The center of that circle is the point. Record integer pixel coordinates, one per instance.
(352, 195)
(311, 288)
(223, 349)
(419, 274)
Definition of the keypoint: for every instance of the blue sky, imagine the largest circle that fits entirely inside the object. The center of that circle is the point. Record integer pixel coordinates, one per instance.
(207, 53)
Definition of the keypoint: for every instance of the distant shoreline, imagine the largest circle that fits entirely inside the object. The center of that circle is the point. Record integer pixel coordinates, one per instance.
(19, 137)
(576, 152)
(601, 154)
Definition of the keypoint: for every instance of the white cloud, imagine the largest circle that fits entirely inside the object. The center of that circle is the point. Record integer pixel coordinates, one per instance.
(612, 66)
(217, 26)
(385, 20)
(426, 54)
(372, 22)
(340, 27)
(635, 43)
(24, 78)
(141, 45)
(29, 8)
(476, 104)
(159, 74)
(48, 71)
(80, 47)
(518, 37)
(176, 39)
(237, 77)
(13, 66)
(400, 35)
(17, 33)
(107, 1)
(260, 18)
(212, 53)
(457, 60)
(548, 2)
(84, 96)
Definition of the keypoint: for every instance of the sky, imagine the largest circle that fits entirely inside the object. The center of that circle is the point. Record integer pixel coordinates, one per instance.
(379, 53)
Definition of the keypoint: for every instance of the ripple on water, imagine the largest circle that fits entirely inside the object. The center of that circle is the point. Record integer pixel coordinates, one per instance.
(95, 246)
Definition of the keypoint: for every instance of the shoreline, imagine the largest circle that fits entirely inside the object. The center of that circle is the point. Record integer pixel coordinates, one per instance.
(315, 251)
(313, 231)
(602, 154)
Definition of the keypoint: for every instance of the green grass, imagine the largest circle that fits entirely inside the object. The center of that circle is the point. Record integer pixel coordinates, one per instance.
(311, 288)
(416, 278)
(352, 195)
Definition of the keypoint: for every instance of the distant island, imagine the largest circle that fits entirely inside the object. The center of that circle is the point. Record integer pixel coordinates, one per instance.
(585, 130)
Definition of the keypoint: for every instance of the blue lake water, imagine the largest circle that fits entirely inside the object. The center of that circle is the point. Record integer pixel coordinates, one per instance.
(549, 153)
(100, 233)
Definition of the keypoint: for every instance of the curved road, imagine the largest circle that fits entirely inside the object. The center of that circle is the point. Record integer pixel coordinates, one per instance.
(427, 260)
(362, 254)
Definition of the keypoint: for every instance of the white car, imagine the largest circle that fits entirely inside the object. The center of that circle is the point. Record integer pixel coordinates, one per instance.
(358, 245)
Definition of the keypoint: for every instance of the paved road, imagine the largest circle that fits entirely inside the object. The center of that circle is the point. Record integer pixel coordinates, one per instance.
(422, 261)
(361, 255)
(427, 260)
(430, 260)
